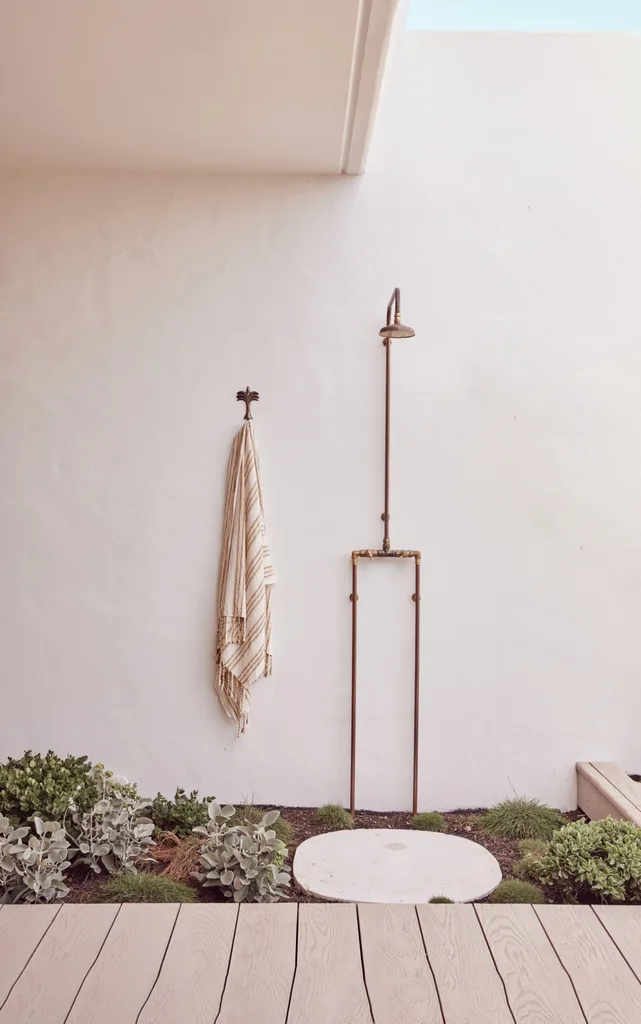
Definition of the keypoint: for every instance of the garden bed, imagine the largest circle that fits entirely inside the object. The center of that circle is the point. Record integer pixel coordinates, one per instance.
(76, 831)
(465, 823)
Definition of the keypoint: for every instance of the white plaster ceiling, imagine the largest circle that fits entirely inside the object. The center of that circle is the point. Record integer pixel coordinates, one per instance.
(206, 85)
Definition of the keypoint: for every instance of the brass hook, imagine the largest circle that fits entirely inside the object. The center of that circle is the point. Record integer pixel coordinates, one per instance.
(247, 397)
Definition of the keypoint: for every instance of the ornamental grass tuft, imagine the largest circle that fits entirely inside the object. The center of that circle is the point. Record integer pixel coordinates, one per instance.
(429, 821)
(145, 888)
(514, 891)
(520, 818)
(334, 817)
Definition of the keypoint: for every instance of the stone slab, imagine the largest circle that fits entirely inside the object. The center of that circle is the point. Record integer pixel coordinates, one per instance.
(394, 866)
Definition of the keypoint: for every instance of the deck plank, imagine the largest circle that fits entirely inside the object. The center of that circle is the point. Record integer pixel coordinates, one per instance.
(538, 989)
(466, 978)
(329, 987)
(50, 982)
(623, 925)
(398, 978)
(192, 979)
(262, 965)
(606, 987)
(21, 929)
(124, 973)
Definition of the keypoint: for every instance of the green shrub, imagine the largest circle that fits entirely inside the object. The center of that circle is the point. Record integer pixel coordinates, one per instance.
(333, 816)
(440, 899)
(180, 815)
(245, 861)
(521, 819)
(430, 821)
(144, 888)
(250, 814)
(513, 891)
(596, 861)
(44, 785)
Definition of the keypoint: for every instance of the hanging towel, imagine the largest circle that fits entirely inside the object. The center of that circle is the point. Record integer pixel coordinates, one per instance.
(243, 649)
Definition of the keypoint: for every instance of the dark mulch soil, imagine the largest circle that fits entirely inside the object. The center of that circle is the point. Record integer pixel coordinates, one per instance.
(459, 823)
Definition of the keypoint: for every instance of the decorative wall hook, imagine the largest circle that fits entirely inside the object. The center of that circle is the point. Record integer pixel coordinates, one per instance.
(247, 397)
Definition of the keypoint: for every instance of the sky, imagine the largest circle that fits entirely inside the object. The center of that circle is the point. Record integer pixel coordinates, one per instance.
(526, 15)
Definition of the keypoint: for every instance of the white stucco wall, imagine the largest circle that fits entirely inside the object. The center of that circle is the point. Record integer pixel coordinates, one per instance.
(503, 197)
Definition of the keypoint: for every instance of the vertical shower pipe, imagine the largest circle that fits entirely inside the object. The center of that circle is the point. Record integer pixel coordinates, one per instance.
(417, 681)
(393, 328)
(354, 599)
(388, 372)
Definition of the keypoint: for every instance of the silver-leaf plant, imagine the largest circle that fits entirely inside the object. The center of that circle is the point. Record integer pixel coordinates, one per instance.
(113, 834)
(33, 871)
(245, 861)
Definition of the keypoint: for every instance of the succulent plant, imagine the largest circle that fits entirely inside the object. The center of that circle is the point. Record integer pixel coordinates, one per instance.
(33, 871)
(113, 833)
(245, 861)
(251, 814)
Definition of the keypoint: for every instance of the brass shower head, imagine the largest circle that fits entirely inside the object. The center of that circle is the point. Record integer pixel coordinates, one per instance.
(394, 328)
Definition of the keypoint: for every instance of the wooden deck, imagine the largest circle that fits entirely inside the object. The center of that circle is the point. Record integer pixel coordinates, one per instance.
(320, 964)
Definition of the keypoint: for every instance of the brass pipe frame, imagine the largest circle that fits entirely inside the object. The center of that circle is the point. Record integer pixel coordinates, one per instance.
(393, 318)
(416, 597)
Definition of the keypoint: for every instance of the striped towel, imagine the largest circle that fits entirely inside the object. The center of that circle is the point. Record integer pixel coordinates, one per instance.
(243, 649)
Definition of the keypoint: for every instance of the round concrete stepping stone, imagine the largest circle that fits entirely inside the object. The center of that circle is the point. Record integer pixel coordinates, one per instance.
(393, 865)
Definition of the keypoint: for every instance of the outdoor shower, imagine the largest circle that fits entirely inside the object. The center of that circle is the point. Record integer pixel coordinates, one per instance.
(393, 329)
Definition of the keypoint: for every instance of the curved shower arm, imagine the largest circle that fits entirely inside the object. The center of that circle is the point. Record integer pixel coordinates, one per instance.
(394, 303)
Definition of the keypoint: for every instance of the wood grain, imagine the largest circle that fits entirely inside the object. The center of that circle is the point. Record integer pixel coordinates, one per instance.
(262, 965)
(606, 987)
(21, 929)
(538, 989)
(193, 974)
(620, 780)
(124, 973)
(50, 982)
(466, 978)
(623, 924)
(398, 978)
(329, 987)
(600, 799)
